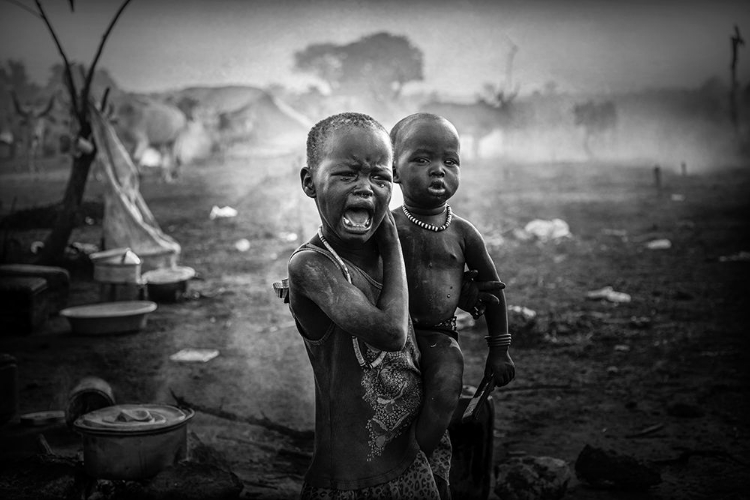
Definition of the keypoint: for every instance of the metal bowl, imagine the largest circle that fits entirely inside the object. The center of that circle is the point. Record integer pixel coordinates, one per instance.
(109, 317)
(168, 284)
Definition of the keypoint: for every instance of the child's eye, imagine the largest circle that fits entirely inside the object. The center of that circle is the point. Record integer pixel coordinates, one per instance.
(452, 163)
(421, 161)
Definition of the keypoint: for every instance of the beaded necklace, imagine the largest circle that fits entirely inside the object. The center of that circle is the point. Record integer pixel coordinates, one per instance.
(355, 342)
(430, 227)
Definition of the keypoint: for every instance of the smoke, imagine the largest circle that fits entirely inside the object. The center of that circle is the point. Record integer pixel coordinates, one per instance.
(667, 127)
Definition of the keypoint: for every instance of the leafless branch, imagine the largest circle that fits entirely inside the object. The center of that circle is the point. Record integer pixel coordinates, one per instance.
(92, 68)
(24, 7)
(19, 110)
(68, 75)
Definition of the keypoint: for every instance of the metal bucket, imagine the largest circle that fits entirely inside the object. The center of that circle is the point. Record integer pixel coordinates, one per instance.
(119, 448)
(91, 393)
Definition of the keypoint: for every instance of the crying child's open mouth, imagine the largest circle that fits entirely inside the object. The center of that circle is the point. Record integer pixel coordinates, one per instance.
(357, 218)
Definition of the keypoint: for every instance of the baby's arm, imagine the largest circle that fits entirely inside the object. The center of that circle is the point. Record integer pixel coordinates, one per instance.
(499, 363)
(383, 325)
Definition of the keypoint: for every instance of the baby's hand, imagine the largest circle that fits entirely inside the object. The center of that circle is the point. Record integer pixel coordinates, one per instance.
(475, 295)
(500, 366)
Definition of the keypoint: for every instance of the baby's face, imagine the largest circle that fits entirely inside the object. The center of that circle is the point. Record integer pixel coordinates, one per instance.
(427, 162)
(353, 182)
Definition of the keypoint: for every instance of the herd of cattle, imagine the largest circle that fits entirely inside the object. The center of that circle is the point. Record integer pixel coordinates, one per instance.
(180, 127)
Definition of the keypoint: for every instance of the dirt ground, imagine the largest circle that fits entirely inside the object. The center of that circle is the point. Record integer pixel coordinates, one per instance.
(662, 378)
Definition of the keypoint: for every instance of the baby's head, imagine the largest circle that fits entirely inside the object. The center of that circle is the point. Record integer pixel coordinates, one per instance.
(426, 159)
(349, 174)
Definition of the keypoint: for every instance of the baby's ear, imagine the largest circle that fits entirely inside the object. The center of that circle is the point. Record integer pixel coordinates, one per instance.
(308, 186)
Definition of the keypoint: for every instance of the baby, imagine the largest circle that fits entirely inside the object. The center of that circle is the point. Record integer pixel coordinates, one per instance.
(437, 246)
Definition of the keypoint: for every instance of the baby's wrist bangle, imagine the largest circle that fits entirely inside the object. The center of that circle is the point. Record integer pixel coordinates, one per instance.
(502, 340)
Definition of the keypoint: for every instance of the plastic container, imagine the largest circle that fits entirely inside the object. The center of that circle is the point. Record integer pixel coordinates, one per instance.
(109, 317)
(119, 265)
(91, 393)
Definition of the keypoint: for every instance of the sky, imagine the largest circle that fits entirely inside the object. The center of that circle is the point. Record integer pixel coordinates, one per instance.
(603, 46)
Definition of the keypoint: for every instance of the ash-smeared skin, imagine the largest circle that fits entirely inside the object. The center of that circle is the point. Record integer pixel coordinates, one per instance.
(353, 181)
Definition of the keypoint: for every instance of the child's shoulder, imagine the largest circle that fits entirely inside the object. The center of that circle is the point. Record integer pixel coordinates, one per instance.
(305, 257)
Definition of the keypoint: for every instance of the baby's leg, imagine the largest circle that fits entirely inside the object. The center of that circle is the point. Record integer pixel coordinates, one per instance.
(442, 375)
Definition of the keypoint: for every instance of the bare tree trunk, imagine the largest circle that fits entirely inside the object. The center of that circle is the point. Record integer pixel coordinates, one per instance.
(57, 239)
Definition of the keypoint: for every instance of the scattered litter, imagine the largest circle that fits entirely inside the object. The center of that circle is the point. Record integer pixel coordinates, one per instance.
(223, 212)
(525, 311)
(84, 146)
(84, 248)
(151, 158)
(464, 320)
(193, 355)
(242, 245)
(621, 233)
(287, 236)
(640, 321)
(39, 418)
(737, 257)
(622, 348)
(607, 293)
(36, 246)
(660, 244)
(546, 230)
(645, 432)
(678, 197)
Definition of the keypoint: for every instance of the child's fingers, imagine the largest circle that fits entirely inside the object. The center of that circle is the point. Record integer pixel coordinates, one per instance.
(485, 286)
(487, 298)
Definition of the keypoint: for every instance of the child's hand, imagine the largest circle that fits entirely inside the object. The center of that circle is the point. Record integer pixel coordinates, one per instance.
(500, 366)
(387, 234)
(475, 295)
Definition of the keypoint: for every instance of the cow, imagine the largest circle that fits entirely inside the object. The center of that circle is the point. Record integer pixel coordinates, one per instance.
(142, 123)
(244, 116)
(266, 123)
(478, 119)
(34, 123)
(7, 137)
(598, 120)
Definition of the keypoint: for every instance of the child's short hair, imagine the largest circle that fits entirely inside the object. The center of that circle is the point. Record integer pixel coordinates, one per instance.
(405, 122)
(319, 134)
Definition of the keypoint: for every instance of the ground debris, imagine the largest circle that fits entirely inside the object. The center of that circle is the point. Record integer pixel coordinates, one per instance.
(532, 478)
(602, 468)
(263, 421)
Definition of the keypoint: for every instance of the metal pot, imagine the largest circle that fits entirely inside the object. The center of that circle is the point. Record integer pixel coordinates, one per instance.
(168, 284)
(134, 441)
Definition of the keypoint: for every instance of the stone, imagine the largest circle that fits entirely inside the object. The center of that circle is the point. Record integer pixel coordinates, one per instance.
(532, 478)
(602, 468)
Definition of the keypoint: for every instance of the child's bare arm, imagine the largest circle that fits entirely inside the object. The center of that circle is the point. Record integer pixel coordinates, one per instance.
(499, 362)
(383, 325)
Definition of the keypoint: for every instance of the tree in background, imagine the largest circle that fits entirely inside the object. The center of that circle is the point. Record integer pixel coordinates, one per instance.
(80, 102)
(377, 65)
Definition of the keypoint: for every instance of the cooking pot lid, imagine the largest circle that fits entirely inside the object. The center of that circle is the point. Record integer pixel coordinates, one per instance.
(169, 275)
(133, 418)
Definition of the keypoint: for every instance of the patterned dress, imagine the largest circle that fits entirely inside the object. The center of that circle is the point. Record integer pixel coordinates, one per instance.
(364, 437)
